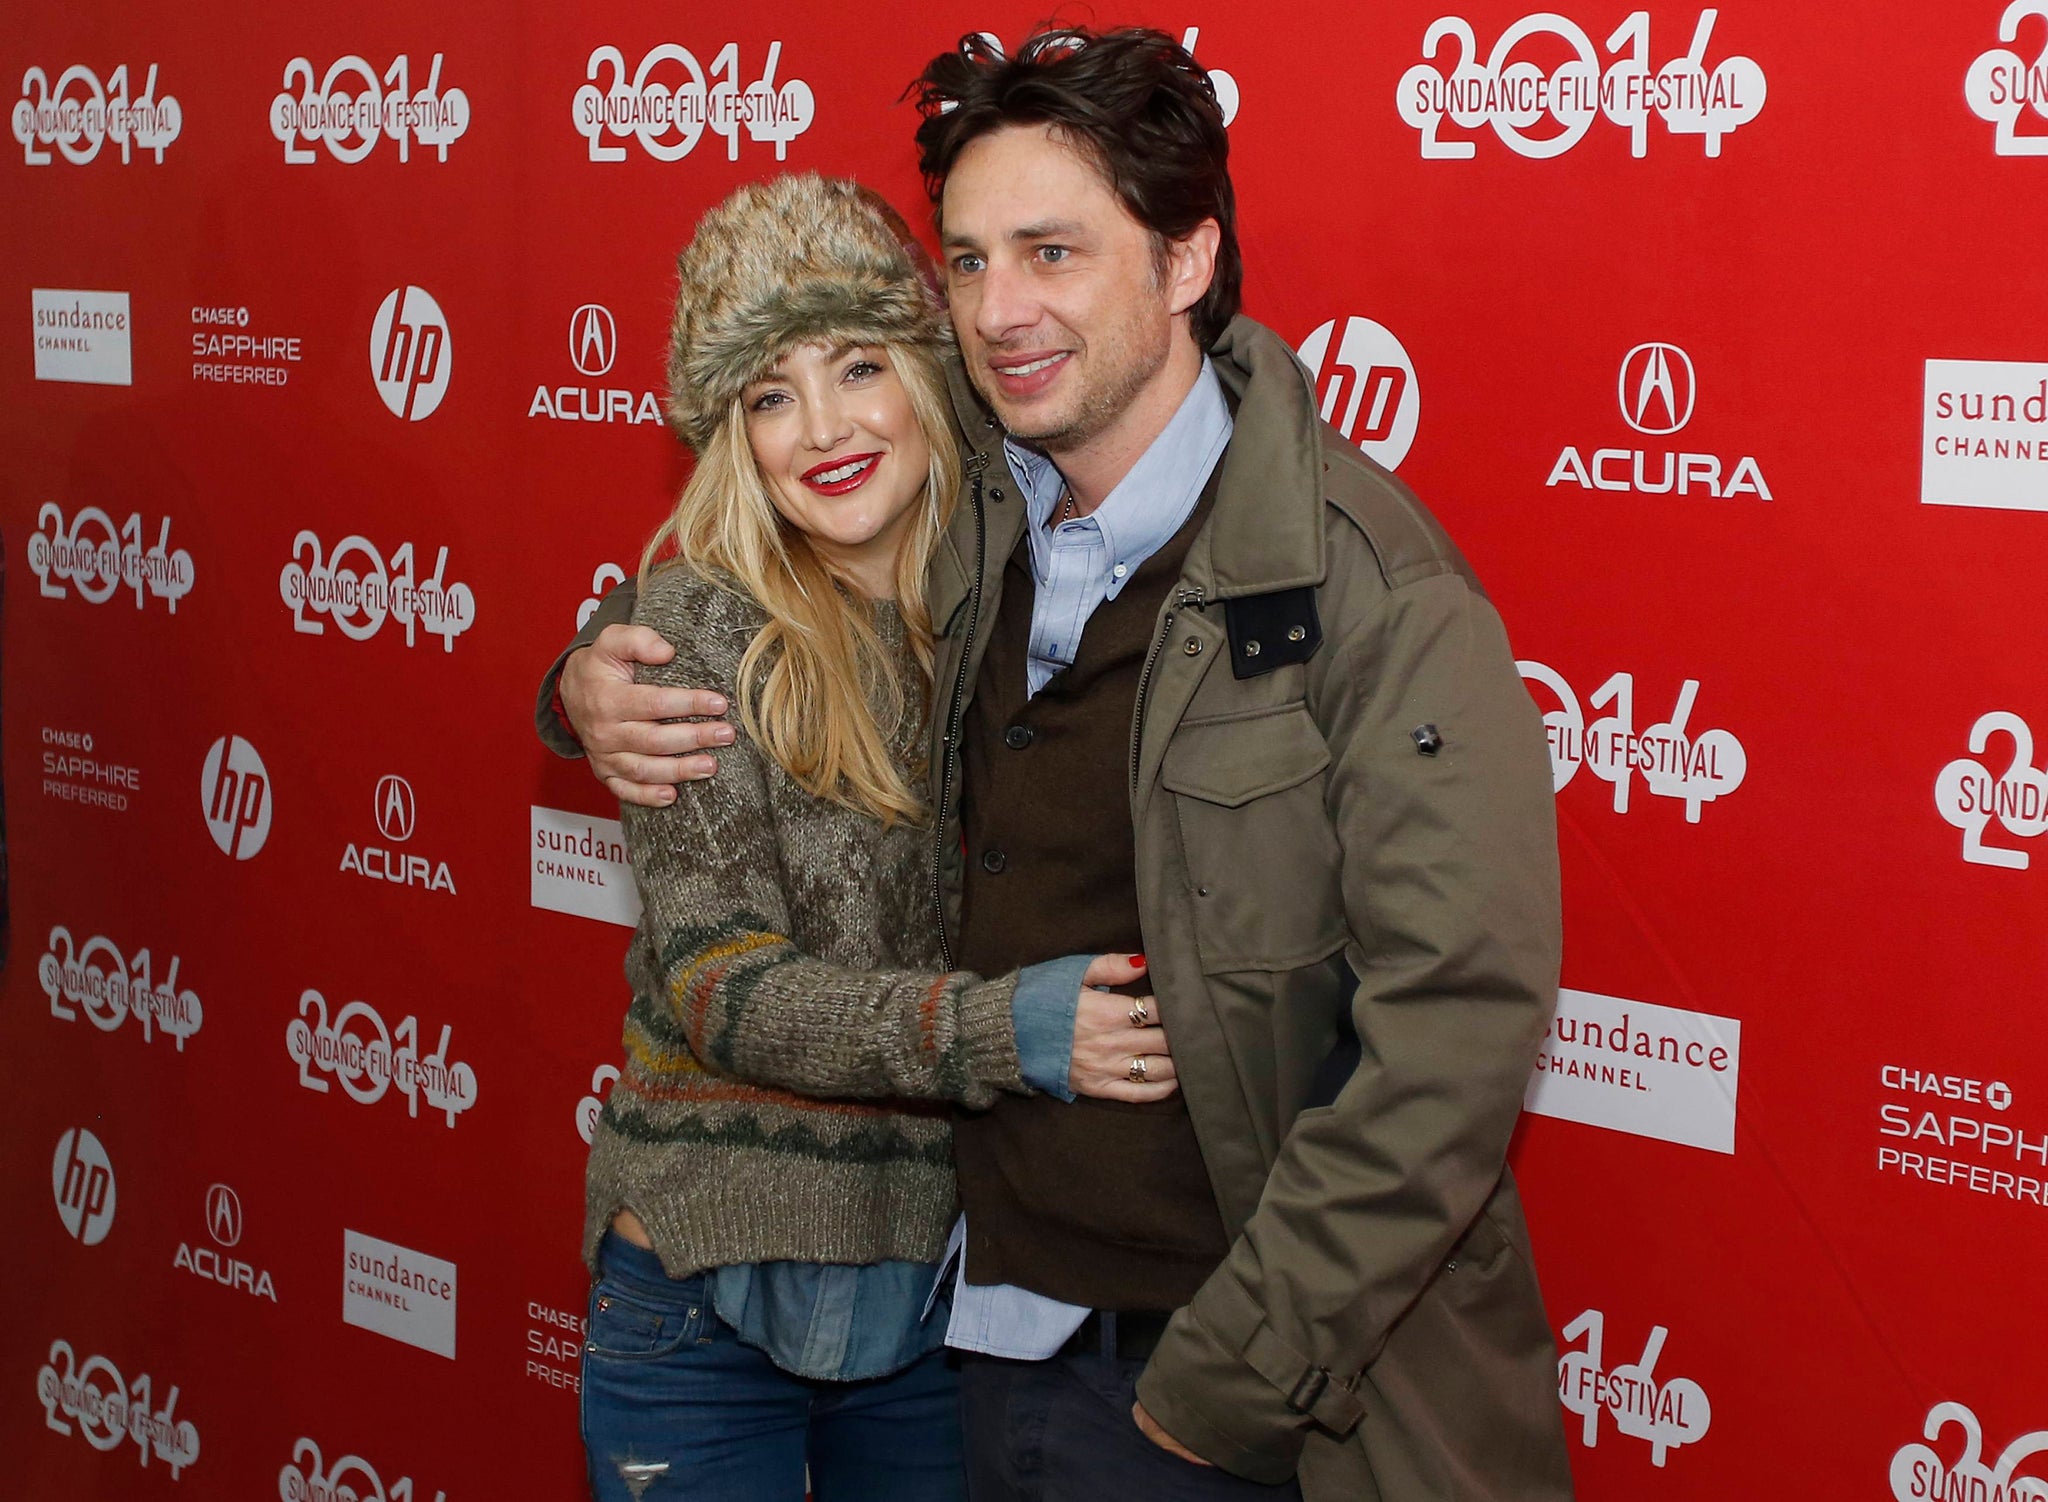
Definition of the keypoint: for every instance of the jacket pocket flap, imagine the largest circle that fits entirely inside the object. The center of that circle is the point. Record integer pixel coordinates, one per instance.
(1231, 762)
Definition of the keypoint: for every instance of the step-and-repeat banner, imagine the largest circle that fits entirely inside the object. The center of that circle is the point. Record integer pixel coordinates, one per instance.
(332, 359)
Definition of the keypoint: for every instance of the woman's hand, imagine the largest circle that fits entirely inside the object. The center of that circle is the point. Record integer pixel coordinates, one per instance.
(1108, 1035)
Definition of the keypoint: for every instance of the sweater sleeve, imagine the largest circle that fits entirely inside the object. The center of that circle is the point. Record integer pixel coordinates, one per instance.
(749, 1002)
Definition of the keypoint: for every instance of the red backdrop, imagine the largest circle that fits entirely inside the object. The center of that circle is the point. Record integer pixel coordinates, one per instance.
(1718, 338)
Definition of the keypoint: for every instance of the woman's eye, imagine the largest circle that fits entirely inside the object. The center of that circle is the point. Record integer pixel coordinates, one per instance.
(767, 400)
(860, 370)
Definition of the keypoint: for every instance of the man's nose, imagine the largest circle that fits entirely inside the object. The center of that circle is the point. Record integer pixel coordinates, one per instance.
(1004, 304)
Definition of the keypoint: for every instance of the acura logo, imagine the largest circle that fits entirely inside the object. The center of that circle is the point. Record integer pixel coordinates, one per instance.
(593, 340)
(394, 809)
(223, 1215)
(1657, 388)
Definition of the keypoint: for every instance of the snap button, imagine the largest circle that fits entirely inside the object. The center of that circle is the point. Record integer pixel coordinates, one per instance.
(1017, 737)
(1251, 649)
(996, 493)
(1192, 646)
(993, 861)
(1201, 891)
(1294, 633)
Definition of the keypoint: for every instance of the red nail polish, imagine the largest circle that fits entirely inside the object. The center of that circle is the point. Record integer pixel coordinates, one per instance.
(1138, 960)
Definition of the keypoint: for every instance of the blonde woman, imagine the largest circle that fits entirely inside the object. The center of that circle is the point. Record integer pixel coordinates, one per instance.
(770, 1183)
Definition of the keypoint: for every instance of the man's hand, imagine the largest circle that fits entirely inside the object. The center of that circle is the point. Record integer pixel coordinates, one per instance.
(1149, 1427)
(620, 722)
(1108, 1035)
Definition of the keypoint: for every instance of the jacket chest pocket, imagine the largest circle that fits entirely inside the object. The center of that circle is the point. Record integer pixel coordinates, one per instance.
(1263, 862)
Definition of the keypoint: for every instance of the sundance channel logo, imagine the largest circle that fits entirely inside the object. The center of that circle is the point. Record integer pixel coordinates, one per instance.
(1640, 1068)
(1984, 435)
(579, 867)
(82, 336)
(399, 1293)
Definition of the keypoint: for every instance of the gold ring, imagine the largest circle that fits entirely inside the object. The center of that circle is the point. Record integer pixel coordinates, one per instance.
(1139, 1016)
(1137, 1070)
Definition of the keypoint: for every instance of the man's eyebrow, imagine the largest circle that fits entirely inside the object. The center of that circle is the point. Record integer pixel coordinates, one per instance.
(1038, 229)
(1047, 229)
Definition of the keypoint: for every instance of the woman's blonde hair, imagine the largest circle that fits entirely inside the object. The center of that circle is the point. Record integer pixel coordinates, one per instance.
(817, 690)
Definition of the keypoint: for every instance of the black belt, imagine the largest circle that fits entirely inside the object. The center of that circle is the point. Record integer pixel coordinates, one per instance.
(1126, 1335)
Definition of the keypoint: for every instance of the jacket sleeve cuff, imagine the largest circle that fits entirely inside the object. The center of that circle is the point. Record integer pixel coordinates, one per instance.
(1230, 1389)
(1042, 1012)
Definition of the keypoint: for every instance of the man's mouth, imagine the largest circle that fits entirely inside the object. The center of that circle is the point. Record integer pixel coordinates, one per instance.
(1030, 374)
(838, 476)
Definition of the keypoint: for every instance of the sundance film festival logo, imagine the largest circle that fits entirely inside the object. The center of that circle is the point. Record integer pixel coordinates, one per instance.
(1664, 1413)
(398, 1293)
(1658, 391)
(92, 1398)
(356, 589)
(224, 1227)
(603, 580)
(78, 115)
(234, 792)
(94, 559)
(368, 1059)
(1971, 797)
(1919, 1473)
(670, 101)
(591, 1106)
(1984, 434)
(396, 812)
(352, 107)
(2002, 86)
(411, 354)
(1542, 87)
(82, 336)
(309, 1478)
(1674, 760)
(593, 349)
(82, 1178)
(1365, 387)
(94, 979)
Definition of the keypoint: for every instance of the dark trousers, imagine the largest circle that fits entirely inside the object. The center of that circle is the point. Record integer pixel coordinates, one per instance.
(1061, 1430)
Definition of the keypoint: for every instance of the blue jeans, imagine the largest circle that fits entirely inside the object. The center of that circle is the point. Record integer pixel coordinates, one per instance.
(674, 1406)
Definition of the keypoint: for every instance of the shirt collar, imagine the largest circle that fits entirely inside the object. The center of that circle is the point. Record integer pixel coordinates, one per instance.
(1149, 504)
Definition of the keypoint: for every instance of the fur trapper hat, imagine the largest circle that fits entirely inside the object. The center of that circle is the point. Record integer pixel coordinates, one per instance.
(795, 260)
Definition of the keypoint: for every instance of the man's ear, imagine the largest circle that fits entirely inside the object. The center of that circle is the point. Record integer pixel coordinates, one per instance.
(1191, 266)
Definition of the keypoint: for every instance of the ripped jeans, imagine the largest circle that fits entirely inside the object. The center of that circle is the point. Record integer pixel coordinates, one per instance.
(674, 1406)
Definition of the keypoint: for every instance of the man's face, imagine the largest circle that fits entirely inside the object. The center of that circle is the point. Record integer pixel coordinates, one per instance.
(1056, 295)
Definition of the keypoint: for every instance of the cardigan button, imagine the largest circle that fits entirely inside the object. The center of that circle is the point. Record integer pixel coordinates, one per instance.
(1017, 737)
(993, 861)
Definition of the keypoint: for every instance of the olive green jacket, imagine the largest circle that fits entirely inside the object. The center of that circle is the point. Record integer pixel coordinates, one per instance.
(1345, 827)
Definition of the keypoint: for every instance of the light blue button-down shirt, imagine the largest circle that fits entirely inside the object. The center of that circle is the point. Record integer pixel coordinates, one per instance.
(1076, 565)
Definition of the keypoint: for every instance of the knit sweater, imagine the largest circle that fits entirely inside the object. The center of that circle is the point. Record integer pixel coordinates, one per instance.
(785, 945)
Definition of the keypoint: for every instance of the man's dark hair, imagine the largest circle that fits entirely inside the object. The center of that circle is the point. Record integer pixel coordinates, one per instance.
(1132, 100)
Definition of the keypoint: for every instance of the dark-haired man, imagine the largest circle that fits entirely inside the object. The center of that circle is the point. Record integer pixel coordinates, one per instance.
(1213, 686)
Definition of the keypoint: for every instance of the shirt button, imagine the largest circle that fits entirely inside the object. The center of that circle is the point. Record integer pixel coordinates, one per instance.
(993, 861)
(1119, 571)
(1017, 737)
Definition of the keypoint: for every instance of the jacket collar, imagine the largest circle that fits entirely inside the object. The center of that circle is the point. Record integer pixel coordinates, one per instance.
(1266, 532)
